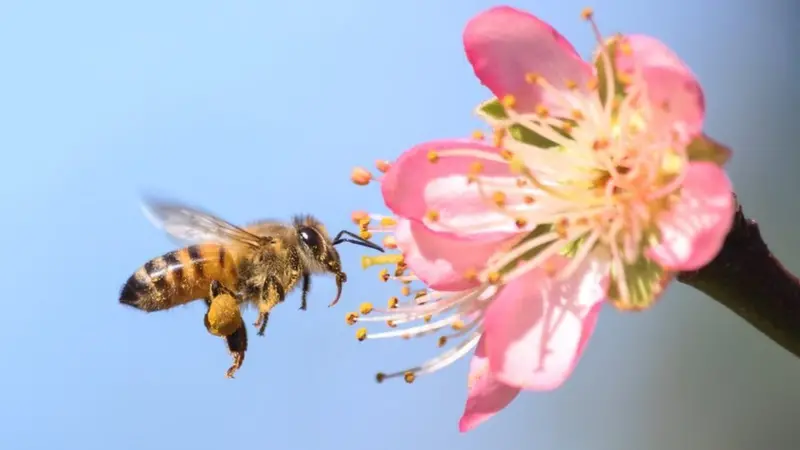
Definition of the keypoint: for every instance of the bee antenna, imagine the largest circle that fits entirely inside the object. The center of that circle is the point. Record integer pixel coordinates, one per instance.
(355, 239)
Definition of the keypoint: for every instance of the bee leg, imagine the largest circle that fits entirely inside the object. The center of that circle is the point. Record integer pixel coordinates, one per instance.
(306, 290)
(272, 294)
(237, 346)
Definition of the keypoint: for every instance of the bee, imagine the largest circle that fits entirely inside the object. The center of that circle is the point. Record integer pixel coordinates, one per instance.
(230, 266)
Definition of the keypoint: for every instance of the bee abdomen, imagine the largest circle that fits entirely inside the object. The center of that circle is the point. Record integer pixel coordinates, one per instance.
(179, 277)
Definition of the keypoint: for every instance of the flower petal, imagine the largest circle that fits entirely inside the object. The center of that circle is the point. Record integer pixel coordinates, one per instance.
(536, 328)
(504, 44)
(675, 96)
(694, 229)
(414, 186)
(486, 396)
(442, 261)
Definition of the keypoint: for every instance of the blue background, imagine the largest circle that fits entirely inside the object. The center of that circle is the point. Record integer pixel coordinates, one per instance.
(259, 109)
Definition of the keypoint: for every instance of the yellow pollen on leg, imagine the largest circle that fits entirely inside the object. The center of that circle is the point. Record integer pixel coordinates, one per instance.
(361, 334)
(366, 308)
(351, 318)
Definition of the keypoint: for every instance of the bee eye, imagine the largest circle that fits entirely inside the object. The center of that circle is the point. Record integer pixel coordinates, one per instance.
(311, 238)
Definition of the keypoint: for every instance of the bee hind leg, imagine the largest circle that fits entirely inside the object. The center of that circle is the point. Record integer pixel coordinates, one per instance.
(223, 318)
(237, 346)
(272, 294)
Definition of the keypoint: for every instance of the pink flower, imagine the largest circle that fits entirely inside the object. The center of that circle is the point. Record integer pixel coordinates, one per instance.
(598, 184)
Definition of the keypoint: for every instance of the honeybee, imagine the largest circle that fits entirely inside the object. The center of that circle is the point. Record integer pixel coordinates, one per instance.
(230, 266)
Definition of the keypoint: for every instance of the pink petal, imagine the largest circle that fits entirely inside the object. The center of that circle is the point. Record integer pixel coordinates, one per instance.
(414, 185)
(674, 93)
(486, 396)
(505, 44)
(442, 261)
(694, 229)
(537, 327)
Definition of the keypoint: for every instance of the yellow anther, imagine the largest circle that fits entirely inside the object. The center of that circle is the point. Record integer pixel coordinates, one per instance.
(369, 261)
(433, 156)
(507, 155)
(363, 224)
(471, 274)
(442, 341)
(409, 377)
(365, 234)
(389, 242)
(532, 78)
(360, 176)
(624, 79)
(432, 215)
(567, 127)
(383, 275)
(542, 111)
(517, 165)
(391, 324)
(520, 222)
(358, 216)
(571, 85)
(509, 101)
(478, 135)
(405, 336)
(382, 165)
(420, 294)
(498, 137)
(392, 303)
(665, 106)
(561, 228)
(528, 199)
(351, 318)
(427, 318)
(365, 308)
(361, 334)
(521, 182)
(625, 48)
(499, 198)
(388, 221)
(380, 376)
(600, 144)
(592, 84)
(577, 114)
(457, 325)
(493, 277)
(587, 13)
(405, 290)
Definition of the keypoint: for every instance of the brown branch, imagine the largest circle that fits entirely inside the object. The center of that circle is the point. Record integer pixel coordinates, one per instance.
(747, 279)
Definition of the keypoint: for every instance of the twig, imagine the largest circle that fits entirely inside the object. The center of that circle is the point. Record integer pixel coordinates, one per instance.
(747, 279)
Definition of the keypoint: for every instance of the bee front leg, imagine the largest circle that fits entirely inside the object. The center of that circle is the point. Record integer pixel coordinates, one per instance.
(271, 294)
(306, 290)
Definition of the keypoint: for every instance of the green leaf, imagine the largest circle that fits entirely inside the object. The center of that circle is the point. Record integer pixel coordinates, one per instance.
(619, 89)
(492, 109)
(530, 254)
(645, 280)
(703, 148)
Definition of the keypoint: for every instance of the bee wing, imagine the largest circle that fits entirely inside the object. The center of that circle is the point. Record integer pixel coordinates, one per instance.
(191, 225)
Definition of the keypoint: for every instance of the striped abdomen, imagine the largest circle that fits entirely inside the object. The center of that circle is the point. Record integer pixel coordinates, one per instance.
(179, 277)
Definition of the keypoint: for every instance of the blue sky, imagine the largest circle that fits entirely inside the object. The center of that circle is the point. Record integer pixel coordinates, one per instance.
(257, 109)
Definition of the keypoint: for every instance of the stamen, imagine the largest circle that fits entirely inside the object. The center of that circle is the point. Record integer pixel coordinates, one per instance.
(360, 176)
(376, 260)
